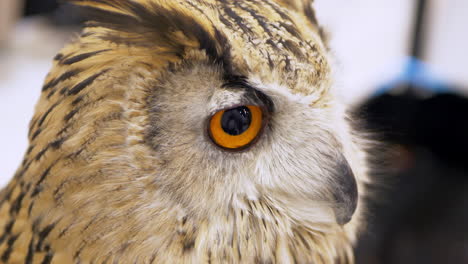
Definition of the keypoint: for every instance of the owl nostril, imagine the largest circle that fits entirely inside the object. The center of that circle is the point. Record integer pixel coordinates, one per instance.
(345, 193)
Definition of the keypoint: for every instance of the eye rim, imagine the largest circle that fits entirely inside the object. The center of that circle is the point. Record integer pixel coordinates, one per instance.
(264, 115)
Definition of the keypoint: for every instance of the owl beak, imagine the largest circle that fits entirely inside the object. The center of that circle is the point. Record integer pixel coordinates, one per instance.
(345, 193)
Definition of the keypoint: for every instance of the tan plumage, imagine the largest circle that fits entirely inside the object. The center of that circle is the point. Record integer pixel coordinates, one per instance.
(120, 169)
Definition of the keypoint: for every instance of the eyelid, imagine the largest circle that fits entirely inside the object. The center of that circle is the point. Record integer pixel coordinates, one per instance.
(226, 108)
(238, 96)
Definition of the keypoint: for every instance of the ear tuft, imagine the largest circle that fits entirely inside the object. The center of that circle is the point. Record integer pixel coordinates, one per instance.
(144, 23)
(306, 8)
(301, 6)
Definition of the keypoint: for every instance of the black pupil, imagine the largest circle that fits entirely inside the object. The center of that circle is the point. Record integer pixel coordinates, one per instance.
(236, 121)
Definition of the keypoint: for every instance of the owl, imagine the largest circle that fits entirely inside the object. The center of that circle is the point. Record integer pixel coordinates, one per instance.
(190, 131)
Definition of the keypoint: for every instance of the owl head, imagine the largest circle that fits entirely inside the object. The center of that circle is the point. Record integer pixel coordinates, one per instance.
(193, 126)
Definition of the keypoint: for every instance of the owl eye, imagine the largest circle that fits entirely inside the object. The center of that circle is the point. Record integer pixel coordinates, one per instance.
(236, 128)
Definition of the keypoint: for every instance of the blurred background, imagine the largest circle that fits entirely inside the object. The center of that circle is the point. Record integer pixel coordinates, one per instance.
(402, 67)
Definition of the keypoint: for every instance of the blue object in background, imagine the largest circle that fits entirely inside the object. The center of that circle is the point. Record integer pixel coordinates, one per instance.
(416, 74)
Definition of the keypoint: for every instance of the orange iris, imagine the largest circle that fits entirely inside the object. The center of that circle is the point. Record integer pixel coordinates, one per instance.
(247, 123)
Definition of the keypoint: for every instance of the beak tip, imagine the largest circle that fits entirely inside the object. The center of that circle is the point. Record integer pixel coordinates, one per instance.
(345, 193)
(344, 218)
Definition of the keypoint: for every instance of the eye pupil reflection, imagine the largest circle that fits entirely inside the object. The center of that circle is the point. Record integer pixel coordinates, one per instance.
(236, 121)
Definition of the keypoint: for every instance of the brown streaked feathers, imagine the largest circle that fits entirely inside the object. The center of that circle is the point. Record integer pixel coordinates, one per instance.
(119, 168)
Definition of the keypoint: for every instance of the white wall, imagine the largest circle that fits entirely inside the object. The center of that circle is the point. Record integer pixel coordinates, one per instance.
(448, 40)
(371, 39)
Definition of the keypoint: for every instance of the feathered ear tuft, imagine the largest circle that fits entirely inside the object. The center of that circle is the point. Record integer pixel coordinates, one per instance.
(165, 24)
(306, 8)
(114, 5)
(301, 6)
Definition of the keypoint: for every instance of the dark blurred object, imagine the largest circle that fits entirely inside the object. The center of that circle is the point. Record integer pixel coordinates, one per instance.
(35, 7)
(422, 216)
(437, 123)
(60, 14)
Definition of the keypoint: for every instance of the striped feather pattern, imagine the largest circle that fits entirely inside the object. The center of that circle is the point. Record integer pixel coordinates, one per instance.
(70, 201)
